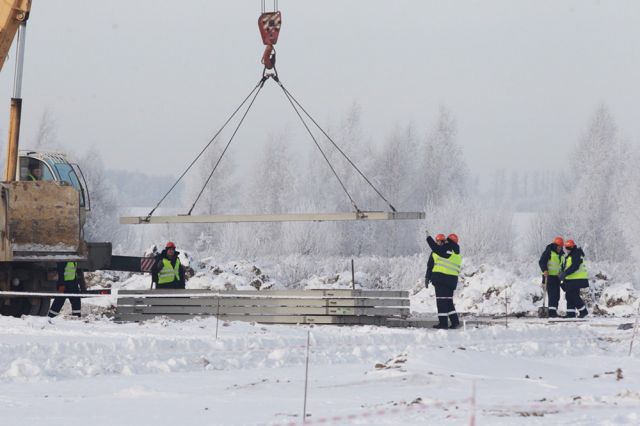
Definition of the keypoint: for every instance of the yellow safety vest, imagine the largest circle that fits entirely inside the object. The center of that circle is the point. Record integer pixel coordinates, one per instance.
(447, 266)
(32, 177)
(554, 266)
(580, 274)
(70, 269)
(169, 273)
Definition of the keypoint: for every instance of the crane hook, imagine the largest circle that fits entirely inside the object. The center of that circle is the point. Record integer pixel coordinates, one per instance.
(269, 24)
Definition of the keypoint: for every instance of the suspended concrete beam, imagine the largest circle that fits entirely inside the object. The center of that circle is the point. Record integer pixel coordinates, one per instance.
(291, 217)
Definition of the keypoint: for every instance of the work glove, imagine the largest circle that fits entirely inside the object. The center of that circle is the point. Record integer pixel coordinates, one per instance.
(561, 276)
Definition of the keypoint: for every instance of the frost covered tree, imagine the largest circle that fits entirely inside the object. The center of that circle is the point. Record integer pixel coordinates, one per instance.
(629, 208)
(47, 133)
(103, 219)
(597, 171)
(273, 189)
(397, 175)
(445, 172)
(219, 196)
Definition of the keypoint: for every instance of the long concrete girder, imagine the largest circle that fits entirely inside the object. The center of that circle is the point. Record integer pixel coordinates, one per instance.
(289, 217)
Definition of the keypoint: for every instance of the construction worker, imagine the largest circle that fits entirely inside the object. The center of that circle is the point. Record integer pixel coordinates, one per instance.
(168, 272)
(573, 277)
(35, 173)
(551, 266)
(443, 269)
(70, 280)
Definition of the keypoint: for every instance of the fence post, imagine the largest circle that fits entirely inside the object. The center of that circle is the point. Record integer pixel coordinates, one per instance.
(506, 307)
(306, 380)
(353, 276)
(635, 331)
(217, 315)
(472, 405)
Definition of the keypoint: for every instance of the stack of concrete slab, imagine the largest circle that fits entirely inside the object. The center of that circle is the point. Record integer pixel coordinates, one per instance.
(366, 307)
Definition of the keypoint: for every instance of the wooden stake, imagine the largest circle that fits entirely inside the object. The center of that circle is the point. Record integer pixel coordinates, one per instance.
(306, 380)
(472, 403)
(217, 316)
(506, 307)
(353, 276)
(635, 331)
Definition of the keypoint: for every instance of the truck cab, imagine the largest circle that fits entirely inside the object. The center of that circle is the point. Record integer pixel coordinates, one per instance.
(52, 166)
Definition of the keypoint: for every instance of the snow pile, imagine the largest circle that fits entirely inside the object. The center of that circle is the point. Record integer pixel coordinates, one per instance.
(203, 274)
(343, 279)
(241, 275)
(619, 299)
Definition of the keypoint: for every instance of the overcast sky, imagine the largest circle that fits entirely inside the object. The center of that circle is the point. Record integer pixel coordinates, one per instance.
(147, 81)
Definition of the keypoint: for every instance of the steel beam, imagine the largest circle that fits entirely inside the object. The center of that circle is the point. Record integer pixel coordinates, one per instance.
(290, 217)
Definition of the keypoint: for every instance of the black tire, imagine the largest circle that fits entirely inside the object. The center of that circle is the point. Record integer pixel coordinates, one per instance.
(39, 307)
(17, 307)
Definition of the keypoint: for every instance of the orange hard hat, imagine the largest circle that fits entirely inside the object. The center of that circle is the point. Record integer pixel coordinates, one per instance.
(440, 237)
(570, 244)
(453, 237)
(170, 245)
(558, 241)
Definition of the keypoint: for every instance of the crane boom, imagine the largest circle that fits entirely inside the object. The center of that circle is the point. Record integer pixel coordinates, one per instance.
(12, 14)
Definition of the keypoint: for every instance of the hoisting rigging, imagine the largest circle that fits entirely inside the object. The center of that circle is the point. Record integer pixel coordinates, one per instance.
(270, 25)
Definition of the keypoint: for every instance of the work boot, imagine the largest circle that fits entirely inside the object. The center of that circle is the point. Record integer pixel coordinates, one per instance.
(455, 321)
(570, 315)
(443, 323)
(583, 312)
(553, 314)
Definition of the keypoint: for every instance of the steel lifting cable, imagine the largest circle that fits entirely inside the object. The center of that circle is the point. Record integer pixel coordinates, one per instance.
(315, 141)
(291, 97)
(263, 6)
(256, 87)
(259, 87)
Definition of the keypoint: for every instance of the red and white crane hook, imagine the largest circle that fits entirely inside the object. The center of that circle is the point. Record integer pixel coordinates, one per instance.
(269, 23)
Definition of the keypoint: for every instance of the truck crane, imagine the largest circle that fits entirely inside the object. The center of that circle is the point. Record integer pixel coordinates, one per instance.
(44, 199)
(41, 219)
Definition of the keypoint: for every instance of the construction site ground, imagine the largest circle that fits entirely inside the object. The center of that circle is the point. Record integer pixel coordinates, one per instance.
(177, 372)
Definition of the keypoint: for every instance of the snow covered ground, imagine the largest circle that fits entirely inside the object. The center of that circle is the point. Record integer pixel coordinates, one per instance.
(165, 373)
(99, 372)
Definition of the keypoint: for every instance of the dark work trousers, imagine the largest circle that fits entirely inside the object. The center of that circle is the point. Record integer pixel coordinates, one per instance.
(173, 285)
(553, 292)
(58, 302)
(444, 302)
(575, 304)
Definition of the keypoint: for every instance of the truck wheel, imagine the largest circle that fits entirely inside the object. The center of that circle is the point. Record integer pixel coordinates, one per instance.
(39, 307)
(16, 308)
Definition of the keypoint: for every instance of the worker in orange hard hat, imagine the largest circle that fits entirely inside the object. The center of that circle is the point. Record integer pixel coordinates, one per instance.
(573, 277)
(551, 265)
(168, 272)
(443, 269)
(440, 240)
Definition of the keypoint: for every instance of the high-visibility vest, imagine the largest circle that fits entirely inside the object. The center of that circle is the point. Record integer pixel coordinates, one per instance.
(32, 177)
(70, 271)
(554, 265)
(169, 273)
(447, 266)
(580, 274)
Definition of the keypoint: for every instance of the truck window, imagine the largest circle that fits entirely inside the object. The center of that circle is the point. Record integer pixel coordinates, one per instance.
(30, 168)
(67, 174)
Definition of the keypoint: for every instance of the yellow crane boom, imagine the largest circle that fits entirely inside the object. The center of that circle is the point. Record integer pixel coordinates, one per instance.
(13, 19)
(12, 14)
